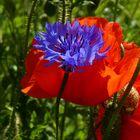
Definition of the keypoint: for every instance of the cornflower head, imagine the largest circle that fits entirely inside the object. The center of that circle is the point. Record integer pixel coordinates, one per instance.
(73, 46)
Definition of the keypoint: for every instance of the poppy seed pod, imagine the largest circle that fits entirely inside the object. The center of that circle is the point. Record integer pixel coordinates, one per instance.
(131, 102)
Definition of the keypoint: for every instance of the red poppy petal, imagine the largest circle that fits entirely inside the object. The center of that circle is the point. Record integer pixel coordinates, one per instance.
(31, 60)
(128, 47)
(130, 129)
(100, 22)
(86, 88)
(90, 86)
(35, 91)
(31, 88)
(137, 83)
(113, 36)
(126, 67)
(34, 42)
(49, 78)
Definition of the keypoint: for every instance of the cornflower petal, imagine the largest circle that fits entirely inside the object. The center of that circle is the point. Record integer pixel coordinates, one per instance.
(64, 41)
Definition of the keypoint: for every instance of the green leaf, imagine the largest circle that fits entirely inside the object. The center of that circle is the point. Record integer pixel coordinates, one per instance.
(101, 7)
(82, 2)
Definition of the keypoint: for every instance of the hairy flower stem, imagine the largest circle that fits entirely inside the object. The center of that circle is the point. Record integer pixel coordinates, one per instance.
(29, 24)
(115, 10)
(11, 131)
(92, 128)
(69, 10)
(65, 10)
(63, 120)
(64, 82)
(118, 109)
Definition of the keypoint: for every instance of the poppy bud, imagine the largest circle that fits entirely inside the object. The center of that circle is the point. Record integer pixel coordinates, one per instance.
(131, 102)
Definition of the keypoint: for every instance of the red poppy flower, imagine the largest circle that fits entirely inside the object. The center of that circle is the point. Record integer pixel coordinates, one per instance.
(130, 128)
(97, 82)
(130, 124)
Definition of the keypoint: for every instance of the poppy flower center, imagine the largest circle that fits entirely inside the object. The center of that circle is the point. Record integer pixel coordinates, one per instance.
(72, 46)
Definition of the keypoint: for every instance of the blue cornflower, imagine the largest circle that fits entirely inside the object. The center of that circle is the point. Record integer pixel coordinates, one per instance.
(72, 46)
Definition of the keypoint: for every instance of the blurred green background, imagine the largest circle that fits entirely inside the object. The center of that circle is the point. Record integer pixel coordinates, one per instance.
(26, 118)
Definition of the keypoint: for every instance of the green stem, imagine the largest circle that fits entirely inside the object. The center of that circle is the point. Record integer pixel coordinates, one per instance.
(14, 99)
(29, 23)
(64, 11)
(11, 130)
(135, 9)
(115, 11)
(92, 129)
(64, 82)
(63, 120)
(118, 109)
(114, 100)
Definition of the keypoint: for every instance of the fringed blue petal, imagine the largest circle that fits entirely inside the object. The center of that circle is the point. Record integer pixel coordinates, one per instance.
(71, 45)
